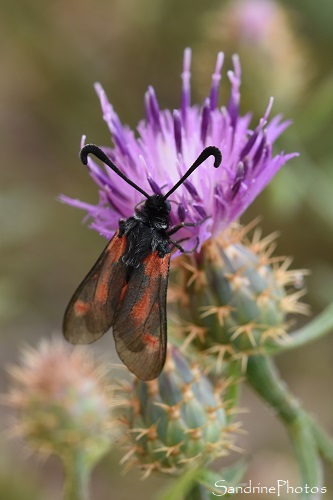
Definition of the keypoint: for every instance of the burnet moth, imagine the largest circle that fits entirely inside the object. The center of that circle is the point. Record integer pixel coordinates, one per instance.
(127, 287)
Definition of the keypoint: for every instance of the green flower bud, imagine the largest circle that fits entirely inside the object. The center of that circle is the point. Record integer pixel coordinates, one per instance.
(236, 295)
(176, 419)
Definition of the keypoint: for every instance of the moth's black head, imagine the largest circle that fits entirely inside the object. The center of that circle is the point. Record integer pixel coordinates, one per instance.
(155, 212)
(159, 205)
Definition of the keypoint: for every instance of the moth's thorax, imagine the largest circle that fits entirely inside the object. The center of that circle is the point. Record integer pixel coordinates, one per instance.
(146, 231)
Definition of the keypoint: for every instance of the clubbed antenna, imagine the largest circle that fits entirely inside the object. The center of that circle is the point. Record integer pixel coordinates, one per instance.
(96, 151)
(210, 150)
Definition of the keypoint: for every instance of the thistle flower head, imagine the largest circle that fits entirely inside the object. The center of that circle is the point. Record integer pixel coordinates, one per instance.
(62, 401)
(175, 420)
(168, 142)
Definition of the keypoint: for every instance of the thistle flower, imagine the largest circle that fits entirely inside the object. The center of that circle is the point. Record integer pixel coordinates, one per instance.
(176, 420)
(167, 145)
(63, 402)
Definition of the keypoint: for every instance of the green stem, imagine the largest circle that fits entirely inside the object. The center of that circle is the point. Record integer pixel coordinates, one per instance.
(77, 477)
(324, 442)
(197, 492)
(264, 378)
(320, 326)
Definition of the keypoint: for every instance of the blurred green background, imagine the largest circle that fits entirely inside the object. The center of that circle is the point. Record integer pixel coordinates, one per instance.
(51, 54)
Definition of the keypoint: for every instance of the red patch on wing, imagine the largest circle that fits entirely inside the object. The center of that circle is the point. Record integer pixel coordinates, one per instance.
(156, 266)
(81, 308)
(115, 251)
(142, 307)
(152, 343)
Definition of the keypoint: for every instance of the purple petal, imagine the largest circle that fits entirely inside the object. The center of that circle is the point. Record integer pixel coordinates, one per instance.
(177, 130)
(205, 116)
(216, 78)
(186, 86)
(235, 79)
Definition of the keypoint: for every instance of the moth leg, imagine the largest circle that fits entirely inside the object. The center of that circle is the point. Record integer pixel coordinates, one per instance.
(177, 245)
(176, 228)
(179, 241)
